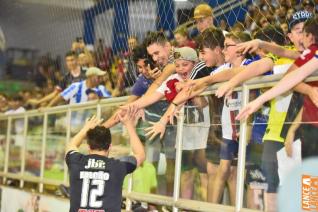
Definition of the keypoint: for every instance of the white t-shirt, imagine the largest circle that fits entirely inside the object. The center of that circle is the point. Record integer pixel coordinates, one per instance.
(164, 87)
(195, 131)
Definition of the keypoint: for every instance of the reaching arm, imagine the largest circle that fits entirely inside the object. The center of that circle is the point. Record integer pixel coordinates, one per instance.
(252, 70)
(55, 100)
(291, 133)
(253, 45)
(137, 148)
(46, 98)
(285, 84)
(305, 88)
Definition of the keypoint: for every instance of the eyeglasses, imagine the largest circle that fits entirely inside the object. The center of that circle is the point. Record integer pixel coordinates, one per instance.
(226, 46)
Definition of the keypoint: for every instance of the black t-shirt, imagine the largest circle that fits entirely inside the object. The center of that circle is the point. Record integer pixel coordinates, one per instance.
(68, 79)
(96, 181)
(200, 70)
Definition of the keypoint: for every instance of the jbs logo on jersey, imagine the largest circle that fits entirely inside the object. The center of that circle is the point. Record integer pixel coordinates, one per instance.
(95, 164)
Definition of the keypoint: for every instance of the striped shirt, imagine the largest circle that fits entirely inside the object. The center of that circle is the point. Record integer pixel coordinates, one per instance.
(76, 92)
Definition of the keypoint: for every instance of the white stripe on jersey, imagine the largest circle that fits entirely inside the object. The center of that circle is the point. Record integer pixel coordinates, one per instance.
(198, 67)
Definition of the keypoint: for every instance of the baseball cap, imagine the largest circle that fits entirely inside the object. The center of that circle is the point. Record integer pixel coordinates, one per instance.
(202, 11)
(94, 71)
(185, 53)
(309, 3)
(298, 17)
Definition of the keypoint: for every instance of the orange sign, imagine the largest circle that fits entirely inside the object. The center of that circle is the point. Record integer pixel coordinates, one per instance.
(309, 200)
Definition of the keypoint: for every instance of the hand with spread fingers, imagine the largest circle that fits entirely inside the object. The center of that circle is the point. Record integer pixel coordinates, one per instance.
(91, 123)
(250, 108)
(249, 46)
(156, 128)
(128, 118)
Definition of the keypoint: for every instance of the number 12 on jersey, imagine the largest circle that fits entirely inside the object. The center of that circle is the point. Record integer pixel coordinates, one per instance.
(94, 193)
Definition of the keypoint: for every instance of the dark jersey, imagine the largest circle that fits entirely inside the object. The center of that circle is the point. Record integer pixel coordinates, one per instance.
(68, 79)
(200, 70)
(96, 181)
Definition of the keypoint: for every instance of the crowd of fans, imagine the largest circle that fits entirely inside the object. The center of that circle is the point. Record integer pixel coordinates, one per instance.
(162, 76)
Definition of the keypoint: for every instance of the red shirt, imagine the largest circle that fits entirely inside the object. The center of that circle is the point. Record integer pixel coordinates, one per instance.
(306, 55)
(310, 112)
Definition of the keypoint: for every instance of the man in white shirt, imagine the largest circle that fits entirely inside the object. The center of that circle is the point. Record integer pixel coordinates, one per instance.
(76, 92)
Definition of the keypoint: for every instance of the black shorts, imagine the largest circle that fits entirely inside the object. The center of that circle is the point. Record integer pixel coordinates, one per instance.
(270, 164)
(309, 147)
(194, 159)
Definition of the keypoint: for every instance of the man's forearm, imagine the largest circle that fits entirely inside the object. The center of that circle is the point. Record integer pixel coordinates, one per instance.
(55, 100)
(167, 71)
(279, 50)
(303, 88)
(49, 97)
(77, 140)
(136, 145)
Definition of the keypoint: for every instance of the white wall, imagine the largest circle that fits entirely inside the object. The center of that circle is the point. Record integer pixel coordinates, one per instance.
(40, 27)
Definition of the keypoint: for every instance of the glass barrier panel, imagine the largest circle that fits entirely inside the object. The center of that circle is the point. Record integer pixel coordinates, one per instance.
(156, 174)
(3, 140)
(16, 145)
(256, 184)
(34, 146)
(78, 118)
(207, 174)
(120, 146)
(55, 147)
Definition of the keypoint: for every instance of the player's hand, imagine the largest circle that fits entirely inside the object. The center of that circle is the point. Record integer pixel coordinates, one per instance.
(156, 128)
(250, 108)
(226, 89)
(249, 46)
(140, 114)
(91, 123)
(313, 95)
(128, 119)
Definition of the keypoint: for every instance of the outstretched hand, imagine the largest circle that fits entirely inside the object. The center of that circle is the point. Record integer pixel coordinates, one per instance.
(128, 117)
(156, 128)
(226, 89)
(248, 47)
(250, 108)
(91, 123)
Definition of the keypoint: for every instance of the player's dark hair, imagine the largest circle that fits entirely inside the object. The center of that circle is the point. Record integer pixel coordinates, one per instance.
(99, 138)
(211, 38)
(311, 26)
(155, 37)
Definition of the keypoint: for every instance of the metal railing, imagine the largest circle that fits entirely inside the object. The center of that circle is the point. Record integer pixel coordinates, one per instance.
(174, 201)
